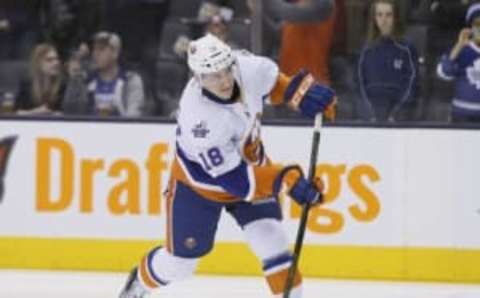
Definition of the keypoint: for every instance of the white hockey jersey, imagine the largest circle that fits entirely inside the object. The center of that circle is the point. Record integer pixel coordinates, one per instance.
(212, 135)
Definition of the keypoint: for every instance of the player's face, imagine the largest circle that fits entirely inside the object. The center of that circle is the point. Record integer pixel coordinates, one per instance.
(384, 18)
(50, 64)
(219, 83)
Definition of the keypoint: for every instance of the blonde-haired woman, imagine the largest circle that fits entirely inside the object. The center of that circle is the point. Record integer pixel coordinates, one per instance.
(388, 65)
(42, 92)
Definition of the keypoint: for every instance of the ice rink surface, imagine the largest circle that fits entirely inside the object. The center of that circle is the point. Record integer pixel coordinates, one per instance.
(55, 284)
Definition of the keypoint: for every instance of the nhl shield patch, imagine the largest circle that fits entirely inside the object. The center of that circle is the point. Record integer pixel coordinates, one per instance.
(200, 130)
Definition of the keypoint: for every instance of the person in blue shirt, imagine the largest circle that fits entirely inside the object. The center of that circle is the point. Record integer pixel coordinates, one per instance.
(461, 64)
(110, 90)
(388, 64)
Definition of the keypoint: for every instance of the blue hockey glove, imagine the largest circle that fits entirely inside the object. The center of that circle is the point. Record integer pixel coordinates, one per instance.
(300, 189)
(304, 192)
(310, 97)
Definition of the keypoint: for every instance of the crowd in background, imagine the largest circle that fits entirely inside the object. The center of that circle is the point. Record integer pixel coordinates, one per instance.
(389, 60)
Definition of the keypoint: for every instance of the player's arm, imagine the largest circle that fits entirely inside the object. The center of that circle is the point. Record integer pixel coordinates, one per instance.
(253, 183)
(224, 167)
(210, 154)
(302, 93)
(219, 161)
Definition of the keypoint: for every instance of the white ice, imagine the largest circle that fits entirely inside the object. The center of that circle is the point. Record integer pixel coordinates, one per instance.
(55, 284)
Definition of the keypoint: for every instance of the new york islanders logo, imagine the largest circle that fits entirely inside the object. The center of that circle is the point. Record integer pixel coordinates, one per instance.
(6, 145)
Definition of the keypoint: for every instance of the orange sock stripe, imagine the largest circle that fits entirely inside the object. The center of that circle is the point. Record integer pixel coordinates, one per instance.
(145, 275)
(278, 280)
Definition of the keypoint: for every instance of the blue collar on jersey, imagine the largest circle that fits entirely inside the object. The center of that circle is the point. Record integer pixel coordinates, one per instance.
(233, 99)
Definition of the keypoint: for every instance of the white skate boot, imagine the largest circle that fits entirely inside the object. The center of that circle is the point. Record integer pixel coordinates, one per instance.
(133, 288)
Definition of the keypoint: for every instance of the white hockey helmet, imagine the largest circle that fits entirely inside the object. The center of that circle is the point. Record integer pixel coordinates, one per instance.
(209, 54)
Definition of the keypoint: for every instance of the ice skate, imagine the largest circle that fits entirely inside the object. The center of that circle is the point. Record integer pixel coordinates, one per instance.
(133, 288)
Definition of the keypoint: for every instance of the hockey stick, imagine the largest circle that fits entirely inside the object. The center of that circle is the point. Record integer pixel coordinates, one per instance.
(303, 220)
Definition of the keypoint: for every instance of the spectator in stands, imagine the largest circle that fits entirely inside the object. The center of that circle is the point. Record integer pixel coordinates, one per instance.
(139, 24)
(303, 25)
(211, 18)
(306, 43)
(388, 65)
(42, 92)
(218, 26)
(209, 9)
(110, 90)
(461, 64)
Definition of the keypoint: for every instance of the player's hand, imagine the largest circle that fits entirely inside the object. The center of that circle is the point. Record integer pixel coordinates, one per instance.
(299, 188)
(309, 97)
(304, 191)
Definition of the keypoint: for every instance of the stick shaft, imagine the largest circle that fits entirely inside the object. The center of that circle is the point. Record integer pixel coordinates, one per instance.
(303, 220)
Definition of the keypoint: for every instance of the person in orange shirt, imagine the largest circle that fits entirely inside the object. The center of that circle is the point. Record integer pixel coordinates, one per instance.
(308, 44)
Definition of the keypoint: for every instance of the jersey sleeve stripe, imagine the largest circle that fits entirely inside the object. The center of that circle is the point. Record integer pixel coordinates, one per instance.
(276, 96)
(180, 174)
(195, 174)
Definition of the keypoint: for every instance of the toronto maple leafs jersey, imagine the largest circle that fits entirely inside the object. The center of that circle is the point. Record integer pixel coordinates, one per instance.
(465, 71)
(212, 133)
(387, 72)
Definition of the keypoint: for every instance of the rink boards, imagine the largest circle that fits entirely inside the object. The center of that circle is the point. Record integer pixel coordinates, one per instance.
(402, 203)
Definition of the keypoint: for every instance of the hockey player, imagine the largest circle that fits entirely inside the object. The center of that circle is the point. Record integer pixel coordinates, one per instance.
(462, 64)
(221, 163)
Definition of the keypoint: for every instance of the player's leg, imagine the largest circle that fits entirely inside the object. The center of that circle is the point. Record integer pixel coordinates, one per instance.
(191, 226)
(264, 232)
